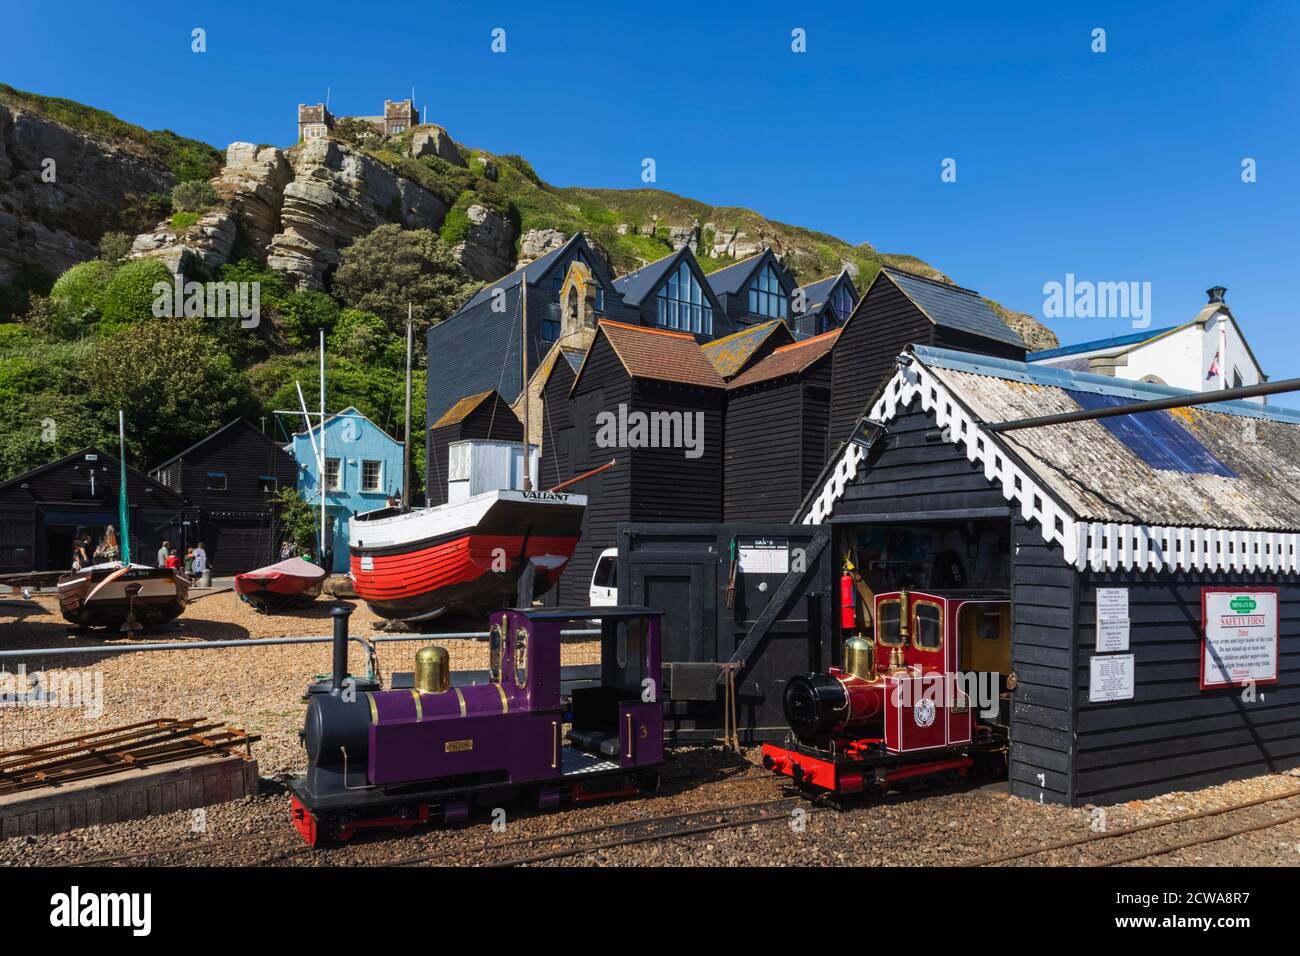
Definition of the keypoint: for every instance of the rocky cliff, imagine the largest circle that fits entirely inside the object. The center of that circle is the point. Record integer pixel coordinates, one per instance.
(61, 190)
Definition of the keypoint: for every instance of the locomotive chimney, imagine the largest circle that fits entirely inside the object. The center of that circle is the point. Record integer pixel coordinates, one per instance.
(340, 616)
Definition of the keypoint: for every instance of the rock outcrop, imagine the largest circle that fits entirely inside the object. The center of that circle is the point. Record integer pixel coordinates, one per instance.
(339, 193)
(253, 182)
(195, 252)
(487, 251)
(536, 243)
(97, 186)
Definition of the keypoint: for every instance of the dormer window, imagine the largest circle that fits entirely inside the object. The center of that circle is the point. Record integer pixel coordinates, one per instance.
(681, 303)
(766, 294)
(842, 302)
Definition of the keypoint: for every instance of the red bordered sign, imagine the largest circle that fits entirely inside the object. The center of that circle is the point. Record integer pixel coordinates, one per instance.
(1240, 636)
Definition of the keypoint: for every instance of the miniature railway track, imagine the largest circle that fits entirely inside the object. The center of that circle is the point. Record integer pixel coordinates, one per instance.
(144, 744)
(625, 833)
(1097, 839)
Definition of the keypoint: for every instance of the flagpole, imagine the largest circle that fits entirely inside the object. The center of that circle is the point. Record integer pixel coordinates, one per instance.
(406, 449)
(122, 506)
(321, 468)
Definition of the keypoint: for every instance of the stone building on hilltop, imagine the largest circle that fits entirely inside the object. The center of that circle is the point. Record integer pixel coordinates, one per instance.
(316, 121)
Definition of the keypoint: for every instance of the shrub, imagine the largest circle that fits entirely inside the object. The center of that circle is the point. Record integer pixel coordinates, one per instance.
(78, 294)
(129, 296)
(183, 220)
(193, 195)
(365, 337)
(114, 246)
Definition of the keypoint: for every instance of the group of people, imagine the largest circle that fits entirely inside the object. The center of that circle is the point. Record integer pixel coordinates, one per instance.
(194, 564)
(84, 555)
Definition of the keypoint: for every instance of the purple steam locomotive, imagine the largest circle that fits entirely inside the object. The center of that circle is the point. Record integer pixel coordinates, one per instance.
(428, 748)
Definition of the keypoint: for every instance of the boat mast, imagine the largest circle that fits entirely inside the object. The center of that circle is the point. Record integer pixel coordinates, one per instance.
(523, 351)
(406, 448)
(321, 464)
(122, 508)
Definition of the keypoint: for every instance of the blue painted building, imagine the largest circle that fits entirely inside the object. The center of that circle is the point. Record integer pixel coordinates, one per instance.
(363, 466)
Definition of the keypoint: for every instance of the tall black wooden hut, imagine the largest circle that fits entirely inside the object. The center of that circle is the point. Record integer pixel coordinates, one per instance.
(556, 463)
(45, 509)
(900, 309)
(660, 379)
(229, 477)
(485, 415)
(1152, 563)
(777, 416)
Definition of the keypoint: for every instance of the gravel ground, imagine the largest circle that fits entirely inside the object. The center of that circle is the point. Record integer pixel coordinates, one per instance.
(259, 689)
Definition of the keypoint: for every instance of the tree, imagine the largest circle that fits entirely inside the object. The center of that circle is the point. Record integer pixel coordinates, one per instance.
(356, 132)
(298, 519)
(129, 296)
(365, 337)
(390, 267)
(172, 378)
(194, 195)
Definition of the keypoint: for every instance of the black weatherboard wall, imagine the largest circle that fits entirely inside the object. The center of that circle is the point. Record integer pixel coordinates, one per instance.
(488, 417)
(42, 510)
(236, 520)
(888, 319)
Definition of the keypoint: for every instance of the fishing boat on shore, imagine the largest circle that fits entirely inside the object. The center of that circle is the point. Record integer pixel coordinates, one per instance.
(282, 586)
(128, 597)
(114, 592)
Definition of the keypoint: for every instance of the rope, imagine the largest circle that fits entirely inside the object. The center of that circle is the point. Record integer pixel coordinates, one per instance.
(505, 359)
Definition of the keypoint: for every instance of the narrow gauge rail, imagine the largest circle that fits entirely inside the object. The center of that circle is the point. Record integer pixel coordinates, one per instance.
(1098, 838)
(630, 832)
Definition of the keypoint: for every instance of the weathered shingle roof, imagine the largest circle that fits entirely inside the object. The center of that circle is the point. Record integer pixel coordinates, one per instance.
(787, 360)
(1100, 479)
(534, 271)
(953, 307)
(731, 353)
(660, 355)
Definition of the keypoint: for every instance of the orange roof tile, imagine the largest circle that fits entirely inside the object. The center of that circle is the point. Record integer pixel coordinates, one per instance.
(661, 355)
(788, 359)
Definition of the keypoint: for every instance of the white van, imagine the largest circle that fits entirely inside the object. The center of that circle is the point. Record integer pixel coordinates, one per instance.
(604, 579)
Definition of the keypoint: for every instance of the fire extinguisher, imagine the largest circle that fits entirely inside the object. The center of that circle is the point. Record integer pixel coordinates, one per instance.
(847, 598)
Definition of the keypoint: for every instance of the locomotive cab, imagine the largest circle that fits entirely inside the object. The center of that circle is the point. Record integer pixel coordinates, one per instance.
(922, 692)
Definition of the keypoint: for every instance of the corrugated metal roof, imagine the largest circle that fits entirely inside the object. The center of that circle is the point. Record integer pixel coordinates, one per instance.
(953, 307)
(730, 353)
(1098, 345)
(1099, 478)
(788, 360)
(661, 355)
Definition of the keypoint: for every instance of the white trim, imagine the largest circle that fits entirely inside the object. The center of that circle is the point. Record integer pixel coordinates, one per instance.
(1101, 546)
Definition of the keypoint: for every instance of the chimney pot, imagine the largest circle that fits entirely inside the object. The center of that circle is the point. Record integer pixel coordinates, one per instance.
(1217, 293)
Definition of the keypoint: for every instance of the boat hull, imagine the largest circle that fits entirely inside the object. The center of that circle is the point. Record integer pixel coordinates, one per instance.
(467, 557)
(151, 596)
(281, 587)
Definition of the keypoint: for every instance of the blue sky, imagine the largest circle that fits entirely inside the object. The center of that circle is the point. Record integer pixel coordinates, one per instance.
(1115, 166)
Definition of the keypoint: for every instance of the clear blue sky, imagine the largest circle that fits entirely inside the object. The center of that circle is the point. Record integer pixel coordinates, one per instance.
(1122, 166)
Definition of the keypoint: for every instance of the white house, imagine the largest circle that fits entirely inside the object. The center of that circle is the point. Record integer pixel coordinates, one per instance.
(1205, 354)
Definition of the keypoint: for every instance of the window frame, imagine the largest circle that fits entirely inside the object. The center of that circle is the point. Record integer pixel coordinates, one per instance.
(766, 287)
(880, 638)
(337, 483)
(225, 481)
(916, 630)
(681, 304)
(379, 475)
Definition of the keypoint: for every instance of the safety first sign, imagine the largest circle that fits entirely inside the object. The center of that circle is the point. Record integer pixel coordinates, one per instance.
(1240, 645)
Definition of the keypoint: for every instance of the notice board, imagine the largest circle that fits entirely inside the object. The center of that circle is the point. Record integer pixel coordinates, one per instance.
(1239, 636)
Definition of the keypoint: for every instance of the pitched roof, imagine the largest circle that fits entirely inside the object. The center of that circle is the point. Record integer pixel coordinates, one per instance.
(659, 355)
(635, 286)
(952, 306)
(211, 435)
(816, 293)
(461, 410)
(1098, 345)
(1095, 494)
(788, 360)
(731, 353)
(732, 279)
(149, 480)
(350, 412)
(533, 270)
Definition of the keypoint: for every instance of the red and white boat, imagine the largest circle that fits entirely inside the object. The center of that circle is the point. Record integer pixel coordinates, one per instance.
(282, 586)
(466, 556)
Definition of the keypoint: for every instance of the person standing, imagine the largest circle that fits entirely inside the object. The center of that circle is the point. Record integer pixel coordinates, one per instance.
(286, 550)
(200, 560)
(173, 561)
(163, 552)
(189, 562)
